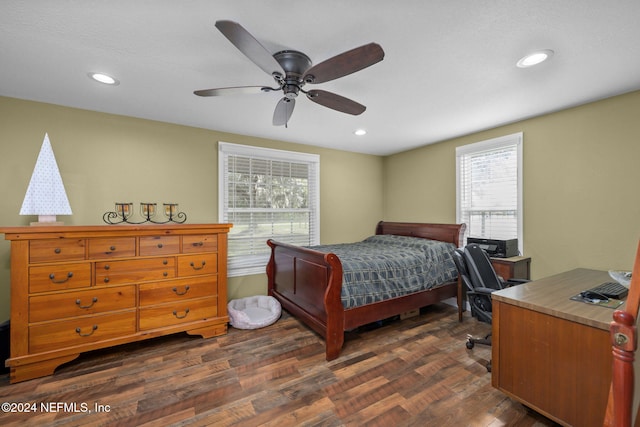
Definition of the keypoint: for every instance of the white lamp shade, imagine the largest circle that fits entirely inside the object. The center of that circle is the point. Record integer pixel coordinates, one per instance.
(46, 195)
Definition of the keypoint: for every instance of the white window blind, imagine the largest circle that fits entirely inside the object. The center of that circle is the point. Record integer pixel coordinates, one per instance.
(266, 194)
(489, 188)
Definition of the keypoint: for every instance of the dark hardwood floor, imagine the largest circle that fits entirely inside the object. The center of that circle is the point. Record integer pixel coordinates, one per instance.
(412, 372)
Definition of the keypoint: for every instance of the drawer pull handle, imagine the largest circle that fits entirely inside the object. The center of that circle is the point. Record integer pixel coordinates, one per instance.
(93, 329)
(53, 278)
(112, 248)
(197, 268)
(93, 301)
(186, 289)
(175, 313)
(165, 273)
(196, 244)
(107, 267)
(57, 250)
(159, 245)
(106, 280)
(165, 262)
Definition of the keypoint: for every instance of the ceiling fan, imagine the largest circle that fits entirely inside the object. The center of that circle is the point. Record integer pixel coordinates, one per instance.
(291, 70)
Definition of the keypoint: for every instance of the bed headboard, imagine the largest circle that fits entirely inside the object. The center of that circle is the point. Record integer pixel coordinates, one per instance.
(451, 233)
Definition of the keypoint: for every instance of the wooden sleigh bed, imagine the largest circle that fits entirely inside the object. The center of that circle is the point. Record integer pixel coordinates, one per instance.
(308, 284)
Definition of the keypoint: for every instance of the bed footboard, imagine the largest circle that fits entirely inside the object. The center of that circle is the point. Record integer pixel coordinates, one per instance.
(308, 284)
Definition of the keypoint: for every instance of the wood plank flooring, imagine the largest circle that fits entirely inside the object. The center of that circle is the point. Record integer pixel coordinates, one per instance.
(411, 372)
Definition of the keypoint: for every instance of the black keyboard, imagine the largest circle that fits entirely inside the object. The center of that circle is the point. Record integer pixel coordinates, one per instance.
(612, 290)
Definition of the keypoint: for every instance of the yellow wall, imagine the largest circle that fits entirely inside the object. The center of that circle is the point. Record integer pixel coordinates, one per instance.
(106, 158)
(581, 175)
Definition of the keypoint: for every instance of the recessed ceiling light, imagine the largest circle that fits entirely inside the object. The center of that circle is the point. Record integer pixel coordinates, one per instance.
(360, 132)
(104, 78)
(535, 58)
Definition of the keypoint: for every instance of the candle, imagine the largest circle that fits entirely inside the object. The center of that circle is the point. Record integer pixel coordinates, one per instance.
(148, 209)
(170, 209)
(123, 209)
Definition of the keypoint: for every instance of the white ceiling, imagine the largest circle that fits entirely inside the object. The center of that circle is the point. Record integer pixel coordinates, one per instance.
(449, 66)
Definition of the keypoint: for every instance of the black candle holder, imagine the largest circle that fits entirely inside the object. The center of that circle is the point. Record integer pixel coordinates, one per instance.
(124, 212)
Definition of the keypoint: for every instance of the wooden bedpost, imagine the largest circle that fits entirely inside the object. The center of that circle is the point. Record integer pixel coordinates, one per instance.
(624, 342)
(333, 307)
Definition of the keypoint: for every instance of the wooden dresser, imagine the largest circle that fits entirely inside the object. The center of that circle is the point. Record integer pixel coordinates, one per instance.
(80, 288)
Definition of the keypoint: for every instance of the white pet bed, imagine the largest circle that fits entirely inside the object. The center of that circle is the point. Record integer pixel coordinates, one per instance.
(253, 312)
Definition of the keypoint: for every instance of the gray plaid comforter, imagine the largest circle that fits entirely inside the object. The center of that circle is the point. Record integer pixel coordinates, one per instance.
(387, 266)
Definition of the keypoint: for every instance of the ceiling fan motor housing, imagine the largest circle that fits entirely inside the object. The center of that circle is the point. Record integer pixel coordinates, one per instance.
(294, 64)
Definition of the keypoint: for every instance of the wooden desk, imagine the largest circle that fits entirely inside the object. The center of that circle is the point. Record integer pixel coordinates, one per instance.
(551, 353)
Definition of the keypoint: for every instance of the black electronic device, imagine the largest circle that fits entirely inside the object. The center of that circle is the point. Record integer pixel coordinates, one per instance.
(495, 247)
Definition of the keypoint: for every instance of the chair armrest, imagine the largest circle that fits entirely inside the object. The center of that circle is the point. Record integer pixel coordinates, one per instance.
(513, 282)
(482, 291)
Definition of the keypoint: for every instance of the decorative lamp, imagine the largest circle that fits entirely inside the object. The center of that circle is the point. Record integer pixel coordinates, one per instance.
(46, 196)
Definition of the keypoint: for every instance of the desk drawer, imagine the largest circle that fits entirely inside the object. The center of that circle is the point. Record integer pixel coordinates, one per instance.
(56, 250)
(80, 303)
(197, 265)
(178, 290)
(85, 330)
(58, 277)
(178, 312)
(133, 271)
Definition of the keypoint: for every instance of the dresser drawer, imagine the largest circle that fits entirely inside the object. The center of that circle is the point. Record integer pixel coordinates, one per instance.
(80, 303)
(112, 247)
(55, 250)
(178, 290)
(132, 271)
(199, 243)
(159, 245)
(178, 312)
(84, 330)
(56, 277)
(196, 265)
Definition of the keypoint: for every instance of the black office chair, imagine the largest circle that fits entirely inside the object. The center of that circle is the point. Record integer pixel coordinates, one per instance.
(481, 280)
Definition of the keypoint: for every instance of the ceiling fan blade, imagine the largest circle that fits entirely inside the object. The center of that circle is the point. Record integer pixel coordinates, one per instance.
(336, 102)
(283, 111)
(345, 63)
(251, 47)
(233, 90)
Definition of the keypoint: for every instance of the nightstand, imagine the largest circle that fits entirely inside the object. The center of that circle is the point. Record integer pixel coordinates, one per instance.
(517, 267)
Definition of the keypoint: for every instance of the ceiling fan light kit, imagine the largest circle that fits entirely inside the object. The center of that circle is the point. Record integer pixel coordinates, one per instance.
(292, 70)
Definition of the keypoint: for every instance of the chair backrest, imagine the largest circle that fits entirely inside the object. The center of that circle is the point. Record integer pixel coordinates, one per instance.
(481, 272)
(458, 258)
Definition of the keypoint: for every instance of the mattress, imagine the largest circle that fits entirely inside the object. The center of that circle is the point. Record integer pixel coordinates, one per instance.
(388, 266)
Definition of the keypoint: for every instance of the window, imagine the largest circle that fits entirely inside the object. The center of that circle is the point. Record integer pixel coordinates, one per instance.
(489, 188)
(266, 194)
